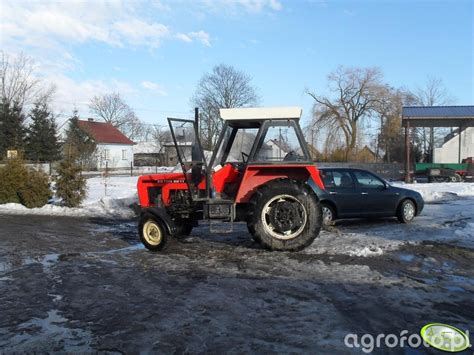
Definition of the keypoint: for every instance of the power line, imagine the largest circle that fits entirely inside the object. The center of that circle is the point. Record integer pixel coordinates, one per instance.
(133, 108)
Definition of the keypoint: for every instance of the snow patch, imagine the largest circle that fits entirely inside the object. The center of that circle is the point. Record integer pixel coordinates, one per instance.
(110, 196)
(367, 251)
(440, 192)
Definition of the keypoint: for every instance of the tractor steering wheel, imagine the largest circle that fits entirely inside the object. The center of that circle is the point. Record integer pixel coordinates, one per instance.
(245, 157)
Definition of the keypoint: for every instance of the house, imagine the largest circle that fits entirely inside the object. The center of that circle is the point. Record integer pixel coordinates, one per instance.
(314, 153)
(449, 150)
(275, 150)
(365, 155)
(114, 150)
(148, 154)
(171, 155)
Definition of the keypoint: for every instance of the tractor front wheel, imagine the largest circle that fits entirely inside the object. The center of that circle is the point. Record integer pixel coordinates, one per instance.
(286, 216)
(153, 233)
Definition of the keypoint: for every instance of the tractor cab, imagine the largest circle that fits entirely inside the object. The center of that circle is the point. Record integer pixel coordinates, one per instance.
(258, 149)
(250, 136)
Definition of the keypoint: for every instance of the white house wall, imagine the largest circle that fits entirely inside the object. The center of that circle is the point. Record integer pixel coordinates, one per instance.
(448, 152)
(114, 157)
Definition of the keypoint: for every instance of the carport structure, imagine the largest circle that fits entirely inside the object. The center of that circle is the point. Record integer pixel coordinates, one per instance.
(434, 116)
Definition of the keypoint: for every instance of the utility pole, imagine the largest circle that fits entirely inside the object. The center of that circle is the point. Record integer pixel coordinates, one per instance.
(196, 118)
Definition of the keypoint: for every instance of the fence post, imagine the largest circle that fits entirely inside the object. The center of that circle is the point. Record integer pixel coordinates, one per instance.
(156, 166)
(131, 169)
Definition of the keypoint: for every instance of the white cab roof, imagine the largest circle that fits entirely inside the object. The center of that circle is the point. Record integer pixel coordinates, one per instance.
(260, 113)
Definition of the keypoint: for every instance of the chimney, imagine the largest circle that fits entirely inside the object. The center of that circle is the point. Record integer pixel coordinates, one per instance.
(90, 119)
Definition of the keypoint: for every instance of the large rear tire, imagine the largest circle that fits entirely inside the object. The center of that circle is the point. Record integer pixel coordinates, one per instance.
(286, 215)
(153, 233)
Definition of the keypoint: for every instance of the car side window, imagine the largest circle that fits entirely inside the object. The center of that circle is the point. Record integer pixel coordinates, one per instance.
(327, 178)
(367, 180)
(342, 179)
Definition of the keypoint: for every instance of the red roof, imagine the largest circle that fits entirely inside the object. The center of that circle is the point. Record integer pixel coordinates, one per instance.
(104, 132)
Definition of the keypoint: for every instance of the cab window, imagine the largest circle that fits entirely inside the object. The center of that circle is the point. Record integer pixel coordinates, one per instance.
(279, 143)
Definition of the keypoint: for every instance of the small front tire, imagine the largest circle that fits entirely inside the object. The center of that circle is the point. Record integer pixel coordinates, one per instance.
(406, 211)
(153, 233)
(329, 215)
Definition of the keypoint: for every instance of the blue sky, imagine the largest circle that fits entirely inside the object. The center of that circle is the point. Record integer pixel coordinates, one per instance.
(154, 52)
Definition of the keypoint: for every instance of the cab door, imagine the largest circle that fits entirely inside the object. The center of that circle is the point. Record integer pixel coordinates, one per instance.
(190, 155)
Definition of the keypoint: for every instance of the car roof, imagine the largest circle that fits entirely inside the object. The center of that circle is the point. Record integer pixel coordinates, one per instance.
(346, 169)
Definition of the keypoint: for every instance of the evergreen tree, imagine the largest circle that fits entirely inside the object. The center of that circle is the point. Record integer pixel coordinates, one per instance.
(70, 184)
(41, 141)
(78, 143)
(12, 132)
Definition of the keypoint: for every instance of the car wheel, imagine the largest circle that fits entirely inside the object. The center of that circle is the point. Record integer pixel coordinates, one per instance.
(406, 211)
(329, 214)
(458, 177)
(152, 232)
(286, 216)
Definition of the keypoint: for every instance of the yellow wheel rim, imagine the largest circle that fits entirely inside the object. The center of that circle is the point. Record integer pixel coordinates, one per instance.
(152, 233)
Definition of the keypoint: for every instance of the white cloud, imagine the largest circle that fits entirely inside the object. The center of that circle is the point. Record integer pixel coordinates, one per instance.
(155, 87)
(251, 6)
(199, 36)
(56, 24)
(183, 37)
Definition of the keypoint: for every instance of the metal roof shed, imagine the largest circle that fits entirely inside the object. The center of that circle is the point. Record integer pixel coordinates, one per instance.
(434, 116)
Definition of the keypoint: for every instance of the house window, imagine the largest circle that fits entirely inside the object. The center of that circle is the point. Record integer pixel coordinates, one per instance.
(106, 154)
(124, 154)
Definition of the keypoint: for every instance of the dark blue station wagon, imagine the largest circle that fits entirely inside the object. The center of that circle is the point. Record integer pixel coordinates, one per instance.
(356, 193)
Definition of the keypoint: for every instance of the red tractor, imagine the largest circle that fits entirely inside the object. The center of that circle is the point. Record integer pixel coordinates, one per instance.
(260, 172)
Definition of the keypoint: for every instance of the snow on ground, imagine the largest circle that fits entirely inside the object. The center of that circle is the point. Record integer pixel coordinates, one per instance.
(448, 216)
(105, 197)
(438, 192)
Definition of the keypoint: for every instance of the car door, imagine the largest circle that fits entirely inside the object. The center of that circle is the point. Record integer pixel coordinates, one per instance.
(343, 193)
(375, 195)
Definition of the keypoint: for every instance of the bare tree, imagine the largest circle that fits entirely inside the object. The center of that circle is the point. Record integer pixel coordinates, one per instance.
(432, 93)
(19, 85)
(355, 93)
(223, 87)
(112, 108)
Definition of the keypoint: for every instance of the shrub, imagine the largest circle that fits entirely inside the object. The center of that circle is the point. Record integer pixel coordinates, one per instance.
(36, 191)
(70, 185)
(18, 184)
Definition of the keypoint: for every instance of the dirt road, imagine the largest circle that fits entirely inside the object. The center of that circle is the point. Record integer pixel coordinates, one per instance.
(74, 284)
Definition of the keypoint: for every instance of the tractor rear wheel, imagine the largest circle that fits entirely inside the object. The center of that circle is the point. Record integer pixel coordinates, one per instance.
(286, 215)
(153, 232)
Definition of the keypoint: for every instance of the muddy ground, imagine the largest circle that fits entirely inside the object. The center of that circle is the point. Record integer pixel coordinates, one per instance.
(77, 284)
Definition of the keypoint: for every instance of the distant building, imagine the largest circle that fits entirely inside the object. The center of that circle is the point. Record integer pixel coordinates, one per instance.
(171, 155)
(148, 154)
(114, 149)
(275, 150)
(314, 153)
(449, 150)
(365, 155)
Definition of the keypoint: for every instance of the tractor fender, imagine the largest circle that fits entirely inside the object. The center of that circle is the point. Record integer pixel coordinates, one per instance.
(160, 212)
